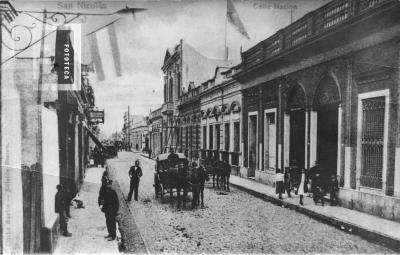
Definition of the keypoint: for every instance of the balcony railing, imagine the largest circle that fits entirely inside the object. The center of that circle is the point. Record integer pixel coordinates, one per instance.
(190, 94)
(321, 20)
(167, 107)
(155, 114)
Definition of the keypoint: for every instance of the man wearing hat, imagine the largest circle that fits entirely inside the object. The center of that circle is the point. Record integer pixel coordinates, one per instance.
(135, 172)
(61, 204)
(110, 208)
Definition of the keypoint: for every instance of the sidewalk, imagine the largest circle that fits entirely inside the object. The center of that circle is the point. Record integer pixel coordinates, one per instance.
(370, 227)
(87, 225)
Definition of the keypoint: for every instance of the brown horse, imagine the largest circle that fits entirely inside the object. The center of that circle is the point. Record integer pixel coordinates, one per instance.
(223, 172)
(198, 179)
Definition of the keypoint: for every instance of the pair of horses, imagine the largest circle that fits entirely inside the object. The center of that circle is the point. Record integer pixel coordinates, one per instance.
(187, 178)
(221, 172)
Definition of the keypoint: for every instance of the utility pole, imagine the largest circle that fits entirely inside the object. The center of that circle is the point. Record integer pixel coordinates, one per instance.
(129, 129)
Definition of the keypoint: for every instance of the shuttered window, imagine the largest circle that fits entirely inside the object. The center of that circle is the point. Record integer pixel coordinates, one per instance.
(372, 142)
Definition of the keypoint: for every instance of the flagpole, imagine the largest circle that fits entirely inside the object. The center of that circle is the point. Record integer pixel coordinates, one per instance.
(226, 31)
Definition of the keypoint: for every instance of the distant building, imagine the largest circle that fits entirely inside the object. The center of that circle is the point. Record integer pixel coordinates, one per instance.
(139, 133)
(184, 69)
(221, 119)
(155, 123)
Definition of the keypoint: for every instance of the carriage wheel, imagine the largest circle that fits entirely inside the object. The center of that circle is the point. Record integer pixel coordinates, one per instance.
(162, 192)
(156, 185)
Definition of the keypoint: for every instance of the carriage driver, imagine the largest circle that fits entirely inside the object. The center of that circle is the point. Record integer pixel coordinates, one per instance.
(135, 172)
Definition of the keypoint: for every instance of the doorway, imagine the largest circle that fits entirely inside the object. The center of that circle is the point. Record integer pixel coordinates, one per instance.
(252, 145)
(297, 124)
(326, 104)
(297, 136)
(327, 139)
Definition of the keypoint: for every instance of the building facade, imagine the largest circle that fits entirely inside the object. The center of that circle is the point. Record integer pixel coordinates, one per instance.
(139, 134)
(44, 142)
(184, 69)
(325, 89)
(221, 101)
(155, 123)
(188, 123)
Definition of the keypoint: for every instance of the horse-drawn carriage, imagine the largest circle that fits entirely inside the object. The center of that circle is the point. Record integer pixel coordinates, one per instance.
(167, 175)
(173, 173)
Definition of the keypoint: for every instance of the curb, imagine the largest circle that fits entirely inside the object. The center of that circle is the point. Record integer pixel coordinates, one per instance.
(351, 228)
(128, 229)
(126, 246)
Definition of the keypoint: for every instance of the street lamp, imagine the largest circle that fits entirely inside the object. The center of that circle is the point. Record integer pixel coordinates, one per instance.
(8, 13)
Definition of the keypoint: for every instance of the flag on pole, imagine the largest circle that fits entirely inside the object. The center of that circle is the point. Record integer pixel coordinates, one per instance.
(96, 59)
(234, 19)
(102, 53)
(115, 49)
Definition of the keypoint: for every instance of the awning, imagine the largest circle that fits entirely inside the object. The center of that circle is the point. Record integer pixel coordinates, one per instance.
(95, 139)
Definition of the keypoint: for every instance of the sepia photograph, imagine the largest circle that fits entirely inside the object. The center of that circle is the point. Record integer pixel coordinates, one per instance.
(200, 127)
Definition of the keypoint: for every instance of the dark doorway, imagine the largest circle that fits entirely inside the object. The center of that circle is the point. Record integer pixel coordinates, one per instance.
(326, 102)
(297, 136)
(252, 145)
(327, 139)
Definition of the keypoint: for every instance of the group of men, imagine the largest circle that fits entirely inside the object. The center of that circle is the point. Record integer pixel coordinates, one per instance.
(108, 199)
(62, 207)
(314, 181)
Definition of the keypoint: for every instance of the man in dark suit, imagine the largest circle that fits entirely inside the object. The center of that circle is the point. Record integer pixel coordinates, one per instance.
(61, 204)
(135, 172)
(110, 208)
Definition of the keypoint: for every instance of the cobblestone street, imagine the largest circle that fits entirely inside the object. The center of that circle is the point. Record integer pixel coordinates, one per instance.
(231, 222)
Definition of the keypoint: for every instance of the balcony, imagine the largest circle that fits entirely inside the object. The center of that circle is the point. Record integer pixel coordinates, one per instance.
(167, 108)
(190, 96)
(322, 20)
(155, 114)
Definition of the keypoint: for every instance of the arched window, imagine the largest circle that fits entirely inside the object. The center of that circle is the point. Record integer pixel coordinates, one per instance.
(179, 84)
(171, 90)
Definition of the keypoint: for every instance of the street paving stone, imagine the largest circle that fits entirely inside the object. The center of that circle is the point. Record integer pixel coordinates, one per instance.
(231, 222)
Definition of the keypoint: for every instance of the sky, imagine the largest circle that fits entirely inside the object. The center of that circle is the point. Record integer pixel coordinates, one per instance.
(143, 41)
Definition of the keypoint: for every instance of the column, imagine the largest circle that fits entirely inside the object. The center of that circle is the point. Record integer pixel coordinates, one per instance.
(231, 138)
(313, 137)
(286, 139)
(349, 155)
(397, 150)
(339, 148)
(280, 127)
(307, 139)
(260, 129)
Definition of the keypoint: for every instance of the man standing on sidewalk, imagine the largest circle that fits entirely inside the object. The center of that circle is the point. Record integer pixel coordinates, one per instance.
(61, 209)
(110, 208)
(135, 172)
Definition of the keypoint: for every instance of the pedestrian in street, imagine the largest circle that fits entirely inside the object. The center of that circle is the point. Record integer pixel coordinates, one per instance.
(333, 190)
(135, 172)
(110, 208)
(150, 153)
(317, 189)
(287, 182)
(279, 178)
(60, 208)
(104, 182)
(312, 174)
(303, 188)
(69, 195)
(104, 178)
